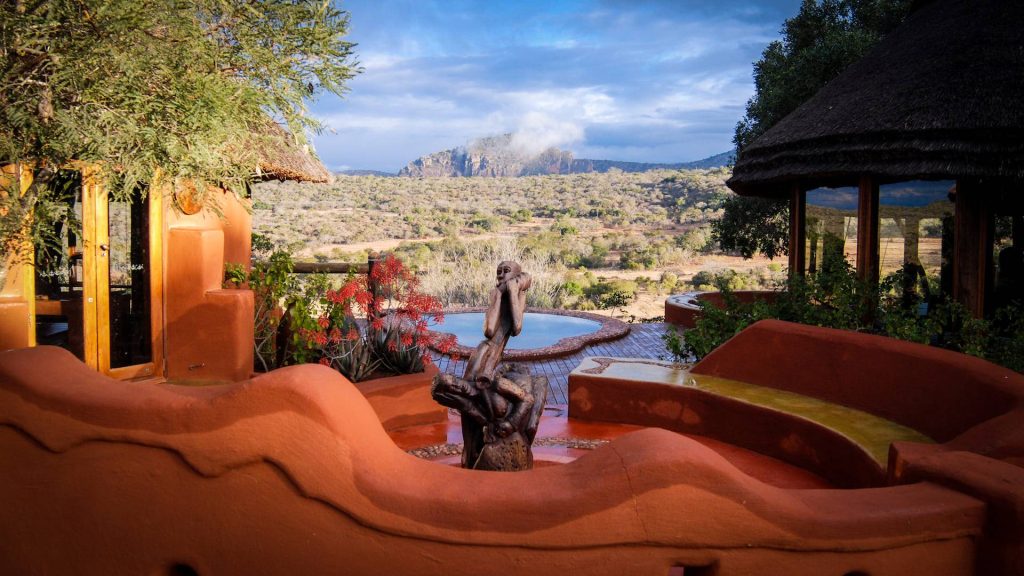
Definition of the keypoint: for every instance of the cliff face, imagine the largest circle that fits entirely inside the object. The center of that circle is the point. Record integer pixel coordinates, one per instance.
(499, 156)
(495, 156)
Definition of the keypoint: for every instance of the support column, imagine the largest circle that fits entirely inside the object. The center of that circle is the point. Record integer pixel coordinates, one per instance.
(867, 230)
(797, 231)
(972, 256)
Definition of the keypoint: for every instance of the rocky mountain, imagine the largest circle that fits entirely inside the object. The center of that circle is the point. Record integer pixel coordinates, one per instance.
(499, 156)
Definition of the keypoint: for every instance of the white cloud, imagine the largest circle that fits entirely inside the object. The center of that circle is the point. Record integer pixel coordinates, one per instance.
(537, 132)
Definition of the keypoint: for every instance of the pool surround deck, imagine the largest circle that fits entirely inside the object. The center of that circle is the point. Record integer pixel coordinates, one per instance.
(611, 329)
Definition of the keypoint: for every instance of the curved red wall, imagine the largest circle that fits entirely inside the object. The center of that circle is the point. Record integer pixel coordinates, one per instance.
(292, 472)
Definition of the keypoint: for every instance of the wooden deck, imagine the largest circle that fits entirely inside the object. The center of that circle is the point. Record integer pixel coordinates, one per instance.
(643, 341)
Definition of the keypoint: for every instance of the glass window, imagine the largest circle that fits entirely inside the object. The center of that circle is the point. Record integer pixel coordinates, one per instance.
(1008, 258)
(58, 268)
(915, 245)
(128, 261)
(831, 228)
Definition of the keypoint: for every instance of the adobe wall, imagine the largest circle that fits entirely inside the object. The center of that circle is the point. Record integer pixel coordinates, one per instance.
(683, 310)
(209, 329)
(404, 400)
(938, 392)
(975, 409)
(689, 410)
(292, 472)
(15, 313)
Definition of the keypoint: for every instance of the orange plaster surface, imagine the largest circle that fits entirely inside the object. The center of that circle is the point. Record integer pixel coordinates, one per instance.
(556, 424)
(14, 323)
(683, 310)
(973, 408)
(209, 329)
(292, 472)
(404, 400)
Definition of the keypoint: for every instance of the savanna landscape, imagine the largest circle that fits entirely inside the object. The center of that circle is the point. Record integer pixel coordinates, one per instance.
(613, 242)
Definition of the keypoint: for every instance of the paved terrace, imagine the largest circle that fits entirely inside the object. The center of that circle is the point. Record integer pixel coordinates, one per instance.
(643, 341)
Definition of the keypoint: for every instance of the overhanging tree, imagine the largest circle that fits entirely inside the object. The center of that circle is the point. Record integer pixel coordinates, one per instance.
(817, 44)
(183, 87)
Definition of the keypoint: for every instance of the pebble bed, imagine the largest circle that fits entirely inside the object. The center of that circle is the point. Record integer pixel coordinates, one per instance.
(441, 450)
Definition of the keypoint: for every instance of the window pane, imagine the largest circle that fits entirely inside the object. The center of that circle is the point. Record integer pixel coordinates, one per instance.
(831, 228)
(916, 238)
(128, 253)
(59, 271)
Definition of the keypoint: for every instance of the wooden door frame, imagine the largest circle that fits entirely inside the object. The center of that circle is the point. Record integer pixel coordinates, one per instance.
(156, 309)
(96, 302)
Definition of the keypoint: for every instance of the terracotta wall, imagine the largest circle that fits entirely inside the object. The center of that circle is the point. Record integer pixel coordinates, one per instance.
(934, 391)
(975, 409)
(293, 473)
(689, 410)
(209, 330)
(15, 314)
(684, 310)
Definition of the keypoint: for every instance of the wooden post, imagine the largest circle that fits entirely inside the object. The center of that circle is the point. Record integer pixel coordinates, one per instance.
(371, 261)
(972, 259)
(797, 230)
(867, 230)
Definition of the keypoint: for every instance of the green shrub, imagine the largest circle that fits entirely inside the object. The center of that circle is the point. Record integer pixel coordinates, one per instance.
(838, 299)
(611, 294)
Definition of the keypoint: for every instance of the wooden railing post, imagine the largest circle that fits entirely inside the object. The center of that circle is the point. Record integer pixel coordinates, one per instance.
(371, 262)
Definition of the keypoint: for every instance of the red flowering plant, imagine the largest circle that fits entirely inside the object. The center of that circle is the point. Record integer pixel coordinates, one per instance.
(394, 337)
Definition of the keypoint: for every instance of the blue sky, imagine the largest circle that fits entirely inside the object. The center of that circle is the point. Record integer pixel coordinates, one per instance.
(647, 81)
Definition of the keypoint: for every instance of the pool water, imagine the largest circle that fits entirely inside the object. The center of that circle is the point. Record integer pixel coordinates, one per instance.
(539, 330)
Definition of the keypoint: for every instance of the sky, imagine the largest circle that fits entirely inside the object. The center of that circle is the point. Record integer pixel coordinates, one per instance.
(632, 80)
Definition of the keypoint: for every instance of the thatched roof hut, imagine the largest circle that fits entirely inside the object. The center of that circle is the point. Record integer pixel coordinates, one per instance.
(941, 97)
(282, 157)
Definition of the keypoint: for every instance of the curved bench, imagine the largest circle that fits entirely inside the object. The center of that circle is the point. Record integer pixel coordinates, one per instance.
(292, 472)
(847, 447)
(974, 410)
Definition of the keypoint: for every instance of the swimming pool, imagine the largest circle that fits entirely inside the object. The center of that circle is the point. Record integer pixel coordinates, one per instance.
(539, 330)
(546, 333)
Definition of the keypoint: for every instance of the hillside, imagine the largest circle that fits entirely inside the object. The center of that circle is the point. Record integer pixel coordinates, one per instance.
(314, 218)
(615, 241)
(503, 156)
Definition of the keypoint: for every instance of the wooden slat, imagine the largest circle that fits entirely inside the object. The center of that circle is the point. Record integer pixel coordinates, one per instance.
(973, 246)
(331, 267)
(867, 230)
(797, 231)
(156, 273)
(90, 257)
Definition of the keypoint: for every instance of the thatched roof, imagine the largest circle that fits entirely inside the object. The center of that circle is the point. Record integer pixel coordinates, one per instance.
(941, 97)
(282, 158)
